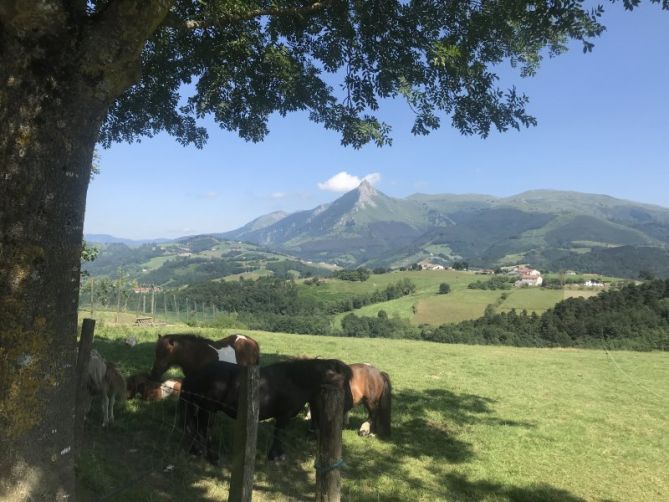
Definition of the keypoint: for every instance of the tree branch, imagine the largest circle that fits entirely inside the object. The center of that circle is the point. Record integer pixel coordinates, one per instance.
(114, 42)
(33, 16)
(227, 19)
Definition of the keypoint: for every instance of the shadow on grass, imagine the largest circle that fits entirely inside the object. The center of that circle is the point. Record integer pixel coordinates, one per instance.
(142, 457)
(458, 487)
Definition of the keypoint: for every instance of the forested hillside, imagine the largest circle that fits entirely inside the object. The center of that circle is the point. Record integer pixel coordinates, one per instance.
(634, 317)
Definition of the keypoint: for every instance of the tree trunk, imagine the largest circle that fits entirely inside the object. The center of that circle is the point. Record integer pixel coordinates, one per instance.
(49, 120)
(60, 70)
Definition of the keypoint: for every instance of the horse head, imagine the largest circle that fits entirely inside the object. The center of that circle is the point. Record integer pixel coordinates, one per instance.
(164, 356)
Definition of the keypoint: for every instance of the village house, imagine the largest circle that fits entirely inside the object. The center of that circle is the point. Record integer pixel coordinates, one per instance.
(426, 265)
(529, 280)
(526, 276)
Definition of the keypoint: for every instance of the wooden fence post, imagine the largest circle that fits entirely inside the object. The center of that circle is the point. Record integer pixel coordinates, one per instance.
(246, 436)
(329, 459)
(83, 358)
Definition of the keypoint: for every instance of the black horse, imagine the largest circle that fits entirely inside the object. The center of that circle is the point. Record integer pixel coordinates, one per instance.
(284, 389)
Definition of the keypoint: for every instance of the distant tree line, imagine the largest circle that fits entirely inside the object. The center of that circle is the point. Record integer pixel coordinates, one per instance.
(380, 326)
(359, 274)
(401, 288)
(274, 304)
(633, 318)
(496, 282)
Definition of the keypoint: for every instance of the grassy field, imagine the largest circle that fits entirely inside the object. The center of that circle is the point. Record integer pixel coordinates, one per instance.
(469, 423)
(426, 306)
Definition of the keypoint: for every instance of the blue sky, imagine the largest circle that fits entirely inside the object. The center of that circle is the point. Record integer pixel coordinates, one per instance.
(603, 128)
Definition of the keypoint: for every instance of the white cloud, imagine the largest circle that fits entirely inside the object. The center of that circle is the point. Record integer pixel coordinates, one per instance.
(278, 195)
(343, 182)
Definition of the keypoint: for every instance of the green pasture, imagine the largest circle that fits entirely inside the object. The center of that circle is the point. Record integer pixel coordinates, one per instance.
(425, 281)
(426, 306)
(469, 423)
(158, 261)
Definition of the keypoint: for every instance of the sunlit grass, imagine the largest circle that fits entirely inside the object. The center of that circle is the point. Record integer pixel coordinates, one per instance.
(427, 306)
(470, 423)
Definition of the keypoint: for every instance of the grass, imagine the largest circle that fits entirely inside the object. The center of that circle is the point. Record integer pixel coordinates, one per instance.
(469, 423)
(426, 306)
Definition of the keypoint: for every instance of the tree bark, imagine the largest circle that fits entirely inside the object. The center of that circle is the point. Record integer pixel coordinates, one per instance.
(59, 72)
(47, 137)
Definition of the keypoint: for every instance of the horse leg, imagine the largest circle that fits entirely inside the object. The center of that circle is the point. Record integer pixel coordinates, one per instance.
(187, 418)
(276, 450)
(212, 454)
(105, 409)
(200, 445)
(314, 414)
(367, 428)
(112, 399)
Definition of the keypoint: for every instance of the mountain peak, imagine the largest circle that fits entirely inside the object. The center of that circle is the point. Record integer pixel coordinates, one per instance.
(366, 193)
(366, 186)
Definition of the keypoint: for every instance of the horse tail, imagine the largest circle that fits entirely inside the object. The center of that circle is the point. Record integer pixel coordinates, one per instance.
(384, 407)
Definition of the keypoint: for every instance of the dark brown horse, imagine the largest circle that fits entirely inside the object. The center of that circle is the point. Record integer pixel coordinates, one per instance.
(372, 388)
(284, 388)
(193, 352)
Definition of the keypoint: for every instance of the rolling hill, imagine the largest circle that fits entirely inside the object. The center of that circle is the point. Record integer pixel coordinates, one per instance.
(190, 260)
(553, 230)
(549, 228)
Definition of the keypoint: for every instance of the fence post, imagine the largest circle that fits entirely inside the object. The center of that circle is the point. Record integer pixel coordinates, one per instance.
(329, 458)
(83, 358)
(246, 435)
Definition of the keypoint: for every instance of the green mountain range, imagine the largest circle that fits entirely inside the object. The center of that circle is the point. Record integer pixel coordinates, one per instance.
(544, 227)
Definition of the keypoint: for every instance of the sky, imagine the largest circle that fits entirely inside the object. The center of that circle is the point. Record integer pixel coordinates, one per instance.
(603, 127)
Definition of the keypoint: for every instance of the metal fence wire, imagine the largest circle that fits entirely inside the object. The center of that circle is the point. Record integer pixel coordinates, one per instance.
(147, 454)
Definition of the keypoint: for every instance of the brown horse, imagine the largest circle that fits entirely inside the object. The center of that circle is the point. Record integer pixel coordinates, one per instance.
(193, 352)
(372, 388)
(284, 388)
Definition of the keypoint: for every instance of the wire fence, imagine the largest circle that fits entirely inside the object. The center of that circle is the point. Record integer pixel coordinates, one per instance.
(154, 303)
(149, 454)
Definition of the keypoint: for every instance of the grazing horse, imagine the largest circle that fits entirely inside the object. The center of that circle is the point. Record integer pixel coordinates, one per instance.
(284, 388)
(149, 390)
(105, 380)
(372, 388)
(193, 352)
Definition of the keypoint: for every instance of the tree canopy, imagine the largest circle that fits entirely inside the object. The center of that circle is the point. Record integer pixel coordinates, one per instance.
(241, 61)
